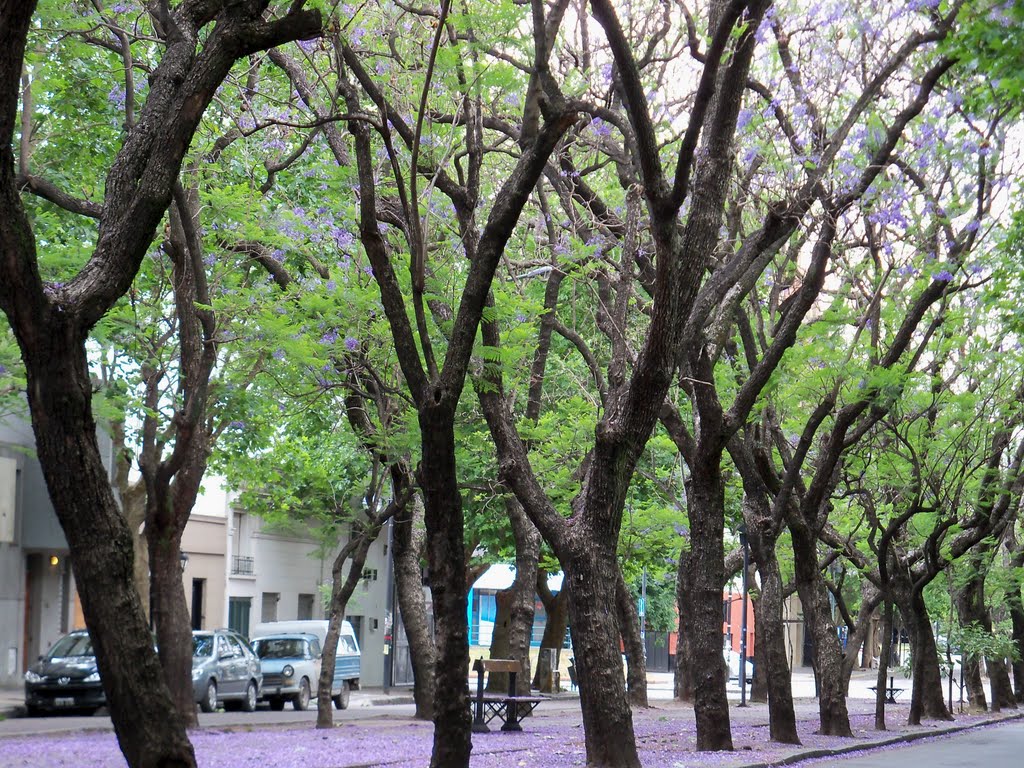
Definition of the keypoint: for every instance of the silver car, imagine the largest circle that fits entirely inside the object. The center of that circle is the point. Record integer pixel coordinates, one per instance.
(224, 669)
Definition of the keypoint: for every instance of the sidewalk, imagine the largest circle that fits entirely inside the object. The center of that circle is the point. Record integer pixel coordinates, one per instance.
(552, 738)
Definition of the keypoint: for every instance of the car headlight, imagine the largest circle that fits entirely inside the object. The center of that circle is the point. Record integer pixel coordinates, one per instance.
(32, 677)
(93, 678)
(288, 670)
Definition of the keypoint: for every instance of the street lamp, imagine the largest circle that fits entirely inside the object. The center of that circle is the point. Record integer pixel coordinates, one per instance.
(183, 559)
(743, 619)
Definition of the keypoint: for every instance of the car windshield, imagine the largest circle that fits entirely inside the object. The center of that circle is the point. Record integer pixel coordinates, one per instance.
(72, 645)
(202, 645)
(279, 648)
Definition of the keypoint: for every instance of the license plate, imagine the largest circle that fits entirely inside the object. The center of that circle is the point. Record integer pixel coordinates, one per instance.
(64, 702)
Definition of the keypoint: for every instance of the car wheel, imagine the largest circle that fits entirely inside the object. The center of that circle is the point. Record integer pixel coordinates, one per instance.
(301, 700)
(341, 700)
(249, 702)
(276, 703)
(209, 702)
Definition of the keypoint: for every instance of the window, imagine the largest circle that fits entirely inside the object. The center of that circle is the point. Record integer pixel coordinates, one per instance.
(305, 611)
(268, 611)
(238, 614)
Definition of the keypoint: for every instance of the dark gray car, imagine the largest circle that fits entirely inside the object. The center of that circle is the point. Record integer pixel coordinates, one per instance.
(224, 669)
(66, 678)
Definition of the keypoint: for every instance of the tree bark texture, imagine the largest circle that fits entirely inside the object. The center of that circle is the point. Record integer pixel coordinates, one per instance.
(607, 719)
(832, 712)
(171, 618)
(926, 700)
(881, 679)
(407, 544)
(759, 684)
(771, 639)
(556, 608)
(636, 655)
(445, 553)
(1017, 619)
(524, 590)
(683, 683)
(703, 580)
(342, 587)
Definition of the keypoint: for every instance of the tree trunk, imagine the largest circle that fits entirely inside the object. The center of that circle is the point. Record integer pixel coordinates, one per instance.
(446, 556)
(149, 729)
(500, 646)
(636, 654)
(860, 645)
(683, 682)
(357, 549)
(999, 680)
(524, 601)
(832, 712)
(771, 639)
(702, 583)
(557, 609)
(407, 544)
(759, 684)
(926, 700)
(170, 616)
(607, 718)
(883, 666)
(1017, 619)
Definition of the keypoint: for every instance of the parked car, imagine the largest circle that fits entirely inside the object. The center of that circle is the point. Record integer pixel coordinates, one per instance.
(65, 678)
(291, 669)
(224, 669)
(347, 661)
(732, 660)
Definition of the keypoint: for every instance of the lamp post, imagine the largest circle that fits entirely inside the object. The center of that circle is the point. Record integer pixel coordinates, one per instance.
(183, 559)
(743, 619)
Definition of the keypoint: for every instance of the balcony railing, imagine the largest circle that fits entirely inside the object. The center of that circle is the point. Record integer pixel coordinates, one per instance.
(241, 566)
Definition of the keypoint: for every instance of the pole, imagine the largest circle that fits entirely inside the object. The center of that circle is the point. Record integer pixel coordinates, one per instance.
(389, 613)
(743, 620)
(643, 611)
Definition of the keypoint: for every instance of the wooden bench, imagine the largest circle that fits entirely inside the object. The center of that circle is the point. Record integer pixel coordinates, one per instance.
(891, 692)
(511, 708)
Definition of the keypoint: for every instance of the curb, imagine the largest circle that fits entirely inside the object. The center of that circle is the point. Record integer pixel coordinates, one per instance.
(906, 738)
(386, 701)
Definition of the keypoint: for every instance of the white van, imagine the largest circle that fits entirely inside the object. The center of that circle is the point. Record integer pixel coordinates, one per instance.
(347, 662)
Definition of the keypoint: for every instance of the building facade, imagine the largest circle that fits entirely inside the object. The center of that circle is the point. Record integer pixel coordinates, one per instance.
(37, 602)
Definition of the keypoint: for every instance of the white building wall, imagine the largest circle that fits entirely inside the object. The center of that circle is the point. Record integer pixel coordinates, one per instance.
(289, 566)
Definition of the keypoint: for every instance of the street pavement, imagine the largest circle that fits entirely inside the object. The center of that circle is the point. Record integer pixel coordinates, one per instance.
(993, 747)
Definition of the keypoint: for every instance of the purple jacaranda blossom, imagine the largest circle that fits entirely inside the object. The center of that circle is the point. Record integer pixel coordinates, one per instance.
(329, 338)
(3, 369)
(943, 277)
(351, 343)
(236, 425)
(342, 237)
(331, 286)
(308, 45)
(116, 96)
(279, 354)
(600, 127)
